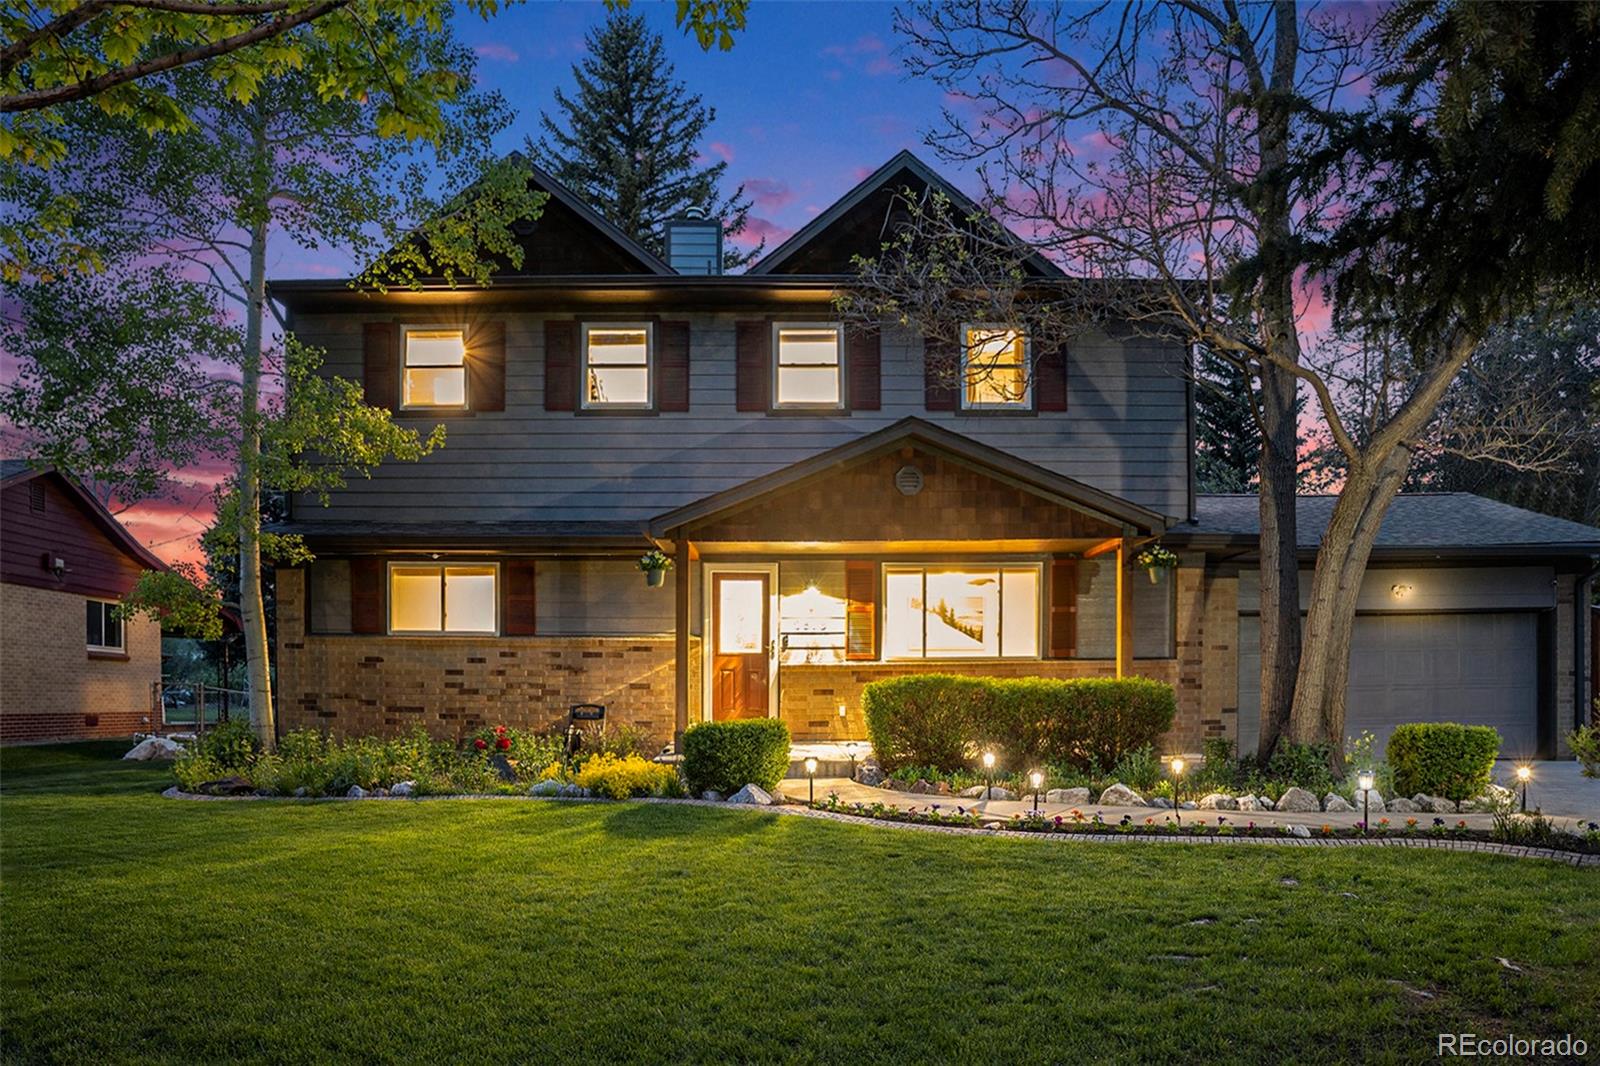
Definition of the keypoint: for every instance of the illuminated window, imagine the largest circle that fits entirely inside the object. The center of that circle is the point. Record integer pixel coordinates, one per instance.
(433, 598)
(104, 628)
(436, 368)
(951, 613)
(994, 366)
(616, 366)
(808, 367)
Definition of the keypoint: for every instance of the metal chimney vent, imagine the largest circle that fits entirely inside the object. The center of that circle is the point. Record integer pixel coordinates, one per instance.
(694, 243)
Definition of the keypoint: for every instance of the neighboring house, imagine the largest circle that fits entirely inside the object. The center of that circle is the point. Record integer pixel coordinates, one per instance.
(837, 514)
(70, 669)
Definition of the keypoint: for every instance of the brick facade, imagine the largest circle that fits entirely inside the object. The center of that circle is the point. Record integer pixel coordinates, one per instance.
(51, 688)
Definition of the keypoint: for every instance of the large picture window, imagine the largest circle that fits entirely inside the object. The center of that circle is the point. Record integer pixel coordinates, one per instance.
(616, 366)
(435, 368)
(103, 628)
(961, 612)
(807, 372)
(994, 369)
(442, 598)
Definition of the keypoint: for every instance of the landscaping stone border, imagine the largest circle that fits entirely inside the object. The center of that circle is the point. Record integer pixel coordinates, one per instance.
(1568, 858)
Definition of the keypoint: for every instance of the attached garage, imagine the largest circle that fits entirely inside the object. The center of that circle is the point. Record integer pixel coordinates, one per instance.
(1479, 668)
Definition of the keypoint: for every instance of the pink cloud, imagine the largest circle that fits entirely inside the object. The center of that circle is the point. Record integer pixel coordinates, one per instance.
(868, 53)
(499, 52)
(769, 194)
(723, 149)
(759, 229)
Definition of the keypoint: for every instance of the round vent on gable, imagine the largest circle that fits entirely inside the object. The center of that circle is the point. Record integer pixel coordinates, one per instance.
(908, 479)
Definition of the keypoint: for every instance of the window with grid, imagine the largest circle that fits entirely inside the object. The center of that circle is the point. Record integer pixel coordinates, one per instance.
(435, 368)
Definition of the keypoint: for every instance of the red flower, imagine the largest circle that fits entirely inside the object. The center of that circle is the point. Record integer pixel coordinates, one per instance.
(499, 730)
(480, 743)
(503, 743)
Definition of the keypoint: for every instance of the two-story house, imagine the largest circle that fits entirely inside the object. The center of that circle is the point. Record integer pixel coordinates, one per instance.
(837, 512)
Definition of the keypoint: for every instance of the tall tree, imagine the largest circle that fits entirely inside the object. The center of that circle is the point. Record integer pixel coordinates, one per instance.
(1227, 436)
(629, 140)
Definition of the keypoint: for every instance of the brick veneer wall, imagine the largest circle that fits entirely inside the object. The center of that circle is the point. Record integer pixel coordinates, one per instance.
(50, 687)
(452, 686)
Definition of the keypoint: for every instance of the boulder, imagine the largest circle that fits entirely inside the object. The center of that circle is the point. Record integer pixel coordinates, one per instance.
(1073, 797)
(942, 788)
(1265, 802)
(1493, 797)
(754, 794)
(1435, 804)
(1216, 801)
(571, 791)
(970, 793)
(1188, 805)
(1161, 802)
(1401, 805)
(1374, 801)
(403, 788)
(1299, 831)
(998, 792)
(155, 748)
(301, 792)
(226, 786)
(547, 787)
(711, 795)
(502, 766)
(893, 785)
(1334, 803)
(1120, 795)
(356, 792)
(1249, 803)
(869, 773)
(1297, 799)
(919, 787)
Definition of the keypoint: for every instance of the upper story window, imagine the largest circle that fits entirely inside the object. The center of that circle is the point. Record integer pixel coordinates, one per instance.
(435, 372)
(104, 628)
(442, 598)
(617, 361)
(961, 612)
(994, 369)
(807, 365)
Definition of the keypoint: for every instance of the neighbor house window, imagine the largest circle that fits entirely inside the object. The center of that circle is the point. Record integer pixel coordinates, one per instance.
(961, 613)
(808, 366)
(436, 368)
(994, 369)
(442, 598)
(616, 366)
(104, 628)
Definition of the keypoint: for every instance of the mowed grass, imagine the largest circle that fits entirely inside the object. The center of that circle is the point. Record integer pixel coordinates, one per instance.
(138, 929)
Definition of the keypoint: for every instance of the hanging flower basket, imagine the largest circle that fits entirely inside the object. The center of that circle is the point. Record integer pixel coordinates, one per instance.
(655, 565)
(1153, 559)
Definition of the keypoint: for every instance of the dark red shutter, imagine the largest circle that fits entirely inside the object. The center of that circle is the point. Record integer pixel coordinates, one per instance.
(486, 367)
(861, 609)
(939, 369)
(519, 601)
(380, 364)
(367, 600)
(1050, 379)
(863, 361)
(753, 382)
(560, 365)
(1063, 608)
(672, 364)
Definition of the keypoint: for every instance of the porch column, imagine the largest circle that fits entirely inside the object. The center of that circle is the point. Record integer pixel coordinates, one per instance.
(1124, 608)
(680, 632)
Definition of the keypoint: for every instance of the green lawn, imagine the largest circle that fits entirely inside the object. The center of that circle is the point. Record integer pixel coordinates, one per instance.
(140, 929)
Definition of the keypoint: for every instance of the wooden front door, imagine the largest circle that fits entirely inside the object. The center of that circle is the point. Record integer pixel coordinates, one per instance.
(741, 645)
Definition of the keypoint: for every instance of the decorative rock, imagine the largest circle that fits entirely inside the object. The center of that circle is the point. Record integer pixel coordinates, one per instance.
(1120, 795)
(502, 766)
(942, 788)
(754, 794)
(547, 787)
(1436, 804)
(1334, 803)
(997, 793)
(869, 773)
(1401, 805)
(403, 788)
(971, 793)
(1265, 802)
(302, 792)
(155, 748)
(1297, 799)
(893, 785)
(1074, 797)
(1492, 798)
(356, 792)
(1374, 801)
(711, 794)
(570, 791)
(1216, 801)
(1160, 801)
(1299, 831)
(380, 792)
(919, 787)
(1249, 803)
(1188, 805)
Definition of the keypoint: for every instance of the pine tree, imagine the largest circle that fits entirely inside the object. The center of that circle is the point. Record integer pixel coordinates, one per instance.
(1227, 439)
(628, 142)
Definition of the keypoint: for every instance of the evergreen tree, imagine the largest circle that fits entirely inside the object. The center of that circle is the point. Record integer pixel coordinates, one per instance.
(628, 141)
(1227, 437)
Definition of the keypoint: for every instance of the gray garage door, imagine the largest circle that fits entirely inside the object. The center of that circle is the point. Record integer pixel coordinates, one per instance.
(1480, 669)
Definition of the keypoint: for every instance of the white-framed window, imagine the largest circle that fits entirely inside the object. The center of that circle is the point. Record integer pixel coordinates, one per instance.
(961, 611)
(103, 629)
(994, 369)
(617, 362)
(808, 365)
(434, 367)
(444, 598)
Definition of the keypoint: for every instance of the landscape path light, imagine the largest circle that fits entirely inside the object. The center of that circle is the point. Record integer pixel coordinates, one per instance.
(1524, 775)
(1177, 797)
(1364, 782)
(1038, 781)
(988, 773)
(811, 777)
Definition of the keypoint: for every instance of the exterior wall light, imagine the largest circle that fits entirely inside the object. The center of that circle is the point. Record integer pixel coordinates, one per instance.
(1400, 592)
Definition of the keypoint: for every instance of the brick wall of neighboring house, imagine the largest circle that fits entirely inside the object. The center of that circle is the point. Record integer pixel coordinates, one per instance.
(51, 688)
(452, 686)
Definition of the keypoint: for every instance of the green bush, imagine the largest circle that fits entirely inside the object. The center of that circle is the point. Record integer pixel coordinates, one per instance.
(1442, 758)
(1585, 744)
(726, 756)
(943, 721)
(232, 745)
(1302, 765)
(193, 769)
(1139, 769)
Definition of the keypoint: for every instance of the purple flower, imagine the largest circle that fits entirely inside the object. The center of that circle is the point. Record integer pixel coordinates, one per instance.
(1058, 819)
(1438, 821)
(1221, 820)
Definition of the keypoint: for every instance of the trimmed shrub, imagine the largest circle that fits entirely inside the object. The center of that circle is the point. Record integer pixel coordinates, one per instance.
(726, 756)
(927, 719)
(1098, 720)
(621, 777)
(1442, 758)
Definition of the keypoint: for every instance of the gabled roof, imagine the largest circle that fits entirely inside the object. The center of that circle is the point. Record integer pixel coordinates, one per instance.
(872, 197)
(1419, 523)
(911, 430)
(19, 471)
(570, 200)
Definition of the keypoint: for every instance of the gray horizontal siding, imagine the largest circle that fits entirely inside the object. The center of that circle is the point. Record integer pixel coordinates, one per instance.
(1125, 432)
(1432, 588)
